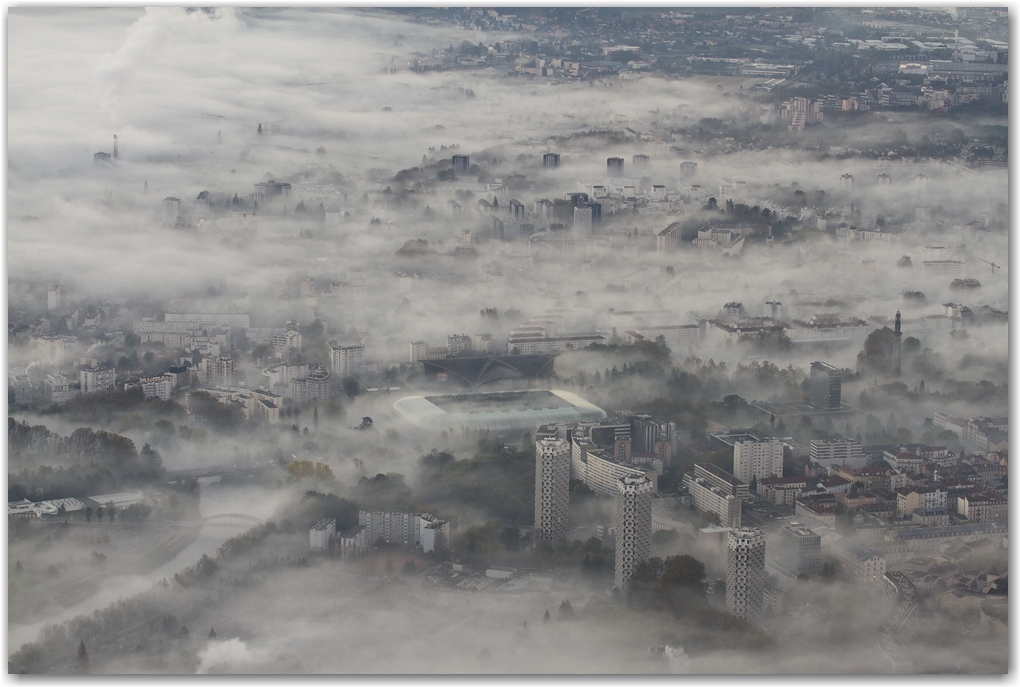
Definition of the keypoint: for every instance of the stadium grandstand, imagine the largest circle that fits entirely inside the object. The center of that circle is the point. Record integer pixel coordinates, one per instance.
(473, 371)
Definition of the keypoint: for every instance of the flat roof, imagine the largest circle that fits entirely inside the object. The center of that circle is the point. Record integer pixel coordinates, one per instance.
(794, 408)
(498, 410)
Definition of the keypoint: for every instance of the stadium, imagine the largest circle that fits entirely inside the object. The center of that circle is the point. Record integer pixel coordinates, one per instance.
(501, 410)
(477, 370)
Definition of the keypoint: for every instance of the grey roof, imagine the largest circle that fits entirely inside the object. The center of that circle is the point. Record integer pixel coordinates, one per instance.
(499, 411)
(476, 370)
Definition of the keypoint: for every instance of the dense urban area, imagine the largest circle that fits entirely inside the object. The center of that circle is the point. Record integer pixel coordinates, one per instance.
(532, 340)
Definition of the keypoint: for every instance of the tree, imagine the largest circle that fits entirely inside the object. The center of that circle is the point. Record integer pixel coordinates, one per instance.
(546, 618)
(212, 633)
(566, 611)
(682, 571)
(99, 513)
(647, 571)
(83, 658)
(409, 568)
(351, 387)
(88, 514)
(111, 510)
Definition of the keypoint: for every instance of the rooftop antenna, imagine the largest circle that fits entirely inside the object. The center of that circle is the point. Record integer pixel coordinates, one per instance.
(115, 146)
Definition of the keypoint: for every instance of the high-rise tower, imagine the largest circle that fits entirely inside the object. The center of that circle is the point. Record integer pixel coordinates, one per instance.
(826, 385)
(633, 525)
(745, 574)
(552, 488)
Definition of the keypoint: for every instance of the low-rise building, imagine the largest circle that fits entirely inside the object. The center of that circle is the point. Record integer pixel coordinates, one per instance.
(983, 505)
(707, 498)
(678, 336)
(818, 507)
(722, 480)
(800, 550)
(858, 563)
(930, 517)
(842, 452)
(910, 498)
(780, 491)
(354, 541)
(57, 389)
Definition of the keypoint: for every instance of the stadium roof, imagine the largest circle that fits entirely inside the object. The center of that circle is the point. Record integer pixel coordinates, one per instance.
(475, 370)
(503, 410)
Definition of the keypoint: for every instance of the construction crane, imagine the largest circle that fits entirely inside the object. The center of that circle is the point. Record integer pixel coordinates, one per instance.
(994, 266)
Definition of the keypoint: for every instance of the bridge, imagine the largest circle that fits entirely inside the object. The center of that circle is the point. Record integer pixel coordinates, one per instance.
(231, 520)
(900, 592)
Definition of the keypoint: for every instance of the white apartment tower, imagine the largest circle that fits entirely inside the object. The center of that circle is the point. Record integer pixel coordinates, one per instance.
(552, 488)
(97, 378)
(745, 574)
(217, 371)
(347, 360)
(418, 349)
(53, 297)
(171, 209)
(753, 460)
(633, 525)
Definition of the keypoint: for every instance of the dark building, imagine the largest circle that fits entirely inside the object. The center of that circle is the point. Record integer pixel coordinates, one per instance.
(577, 200)
(460, 165)
(640, 162)
(551, 160)
(596, 214)
(497, 228)
(826, 385)
(647, 436)
(614, 166)
(101, 159)
(516, 209)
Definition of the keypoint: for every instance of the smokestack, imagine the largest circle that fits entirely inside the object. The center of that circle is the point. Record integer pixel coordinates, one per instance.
(115, 146)
(896, 347)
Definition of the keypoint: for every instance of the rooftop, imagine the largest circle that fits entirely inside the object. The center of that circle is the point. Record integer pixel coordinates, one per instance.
(498, 410)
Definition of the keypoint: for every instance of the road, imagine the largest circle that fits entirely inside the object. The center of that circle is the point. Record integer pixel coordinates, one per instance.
(215, 471)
